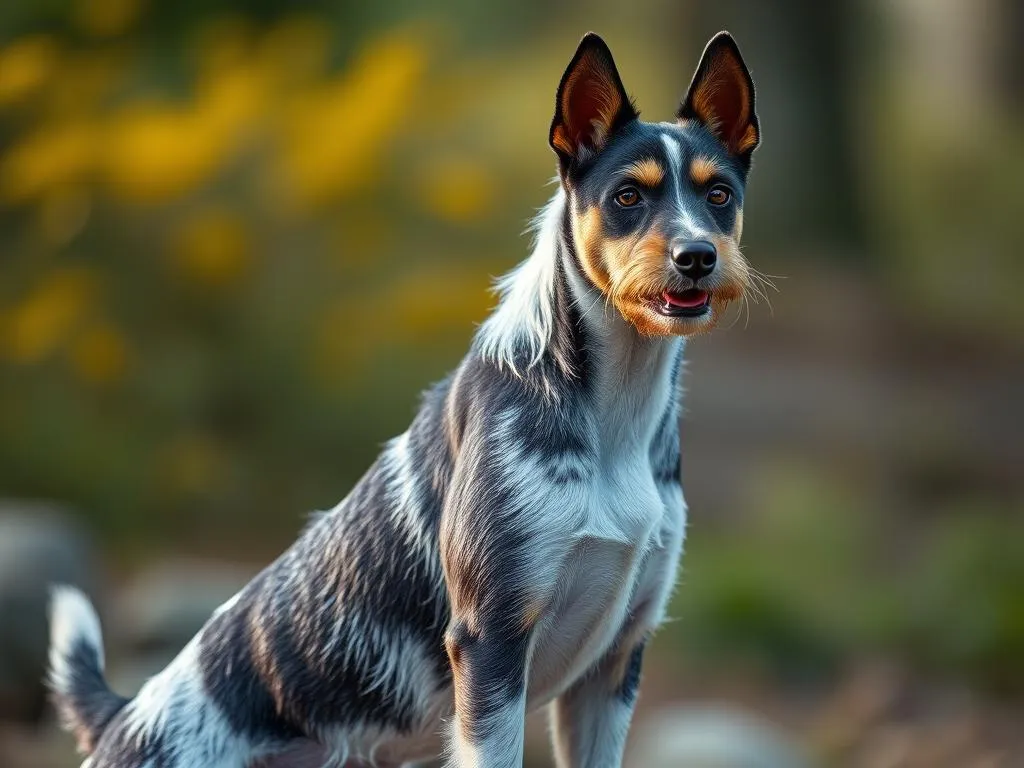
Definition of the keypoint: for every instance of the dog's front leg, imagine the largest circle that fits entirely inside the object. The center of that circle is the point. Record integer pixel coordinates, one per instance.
(503, 542)
(590, 721)
(489, 664)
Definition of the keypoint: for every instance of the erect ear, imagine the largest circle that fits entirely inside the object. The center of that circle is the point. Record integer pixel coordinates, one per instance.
(591, 103)
(721, 96)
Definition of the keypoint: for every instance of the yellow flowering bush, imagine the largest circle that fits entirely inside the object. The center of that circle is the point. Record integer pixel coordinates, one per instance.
(210, 243)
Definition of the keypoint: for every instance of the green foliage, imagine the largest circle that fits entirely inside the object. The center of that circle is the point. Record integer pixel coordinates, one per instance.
(815, 581)
(965, 600)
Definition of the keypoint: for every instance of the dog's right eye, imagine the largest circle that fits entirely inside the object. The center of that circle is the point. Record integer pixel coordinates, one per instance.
(627, 197)
(719, 195)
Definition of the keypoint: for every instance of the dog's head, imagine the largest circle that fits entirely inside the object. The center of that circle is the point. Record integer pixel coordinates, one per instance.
(657, 208)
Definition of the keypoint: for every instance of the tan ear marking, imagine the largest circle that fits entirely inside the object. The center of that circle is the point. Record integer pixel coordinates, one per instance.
(721, 97)
(748, 140)
(591, 102)
(707, 98)
(605, 100)
(560, 141)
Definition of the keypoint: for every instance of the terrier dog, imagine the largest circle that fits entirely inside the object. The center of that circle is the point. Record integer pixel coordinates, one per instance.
(514, 548)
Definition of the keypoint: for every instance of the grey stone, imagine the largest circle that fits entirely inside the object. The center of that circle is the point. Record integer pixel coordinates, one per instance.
(711, 737)
(162, 607)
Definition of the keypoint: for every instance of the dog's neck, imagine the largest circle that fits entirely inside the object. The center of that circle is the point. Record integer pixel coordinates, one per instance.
(552, 323)
(635, 377)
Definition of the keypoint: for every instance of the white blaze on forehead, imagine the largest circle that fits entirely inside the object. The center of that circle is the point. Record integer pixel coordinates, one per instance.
(695, 230)
(675, 152)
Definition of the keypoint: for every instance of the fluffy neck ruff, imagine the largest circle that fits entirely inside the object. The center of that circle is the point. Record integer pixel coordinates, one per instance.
(518, 332)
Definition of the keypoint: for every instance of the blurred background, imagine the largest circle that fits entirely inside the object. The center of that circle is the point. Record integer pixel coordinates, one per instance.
(237, 238)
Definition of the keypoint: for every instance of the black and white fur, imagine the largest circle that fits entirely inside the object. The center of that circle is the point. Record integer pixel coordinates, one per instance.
(514, 548)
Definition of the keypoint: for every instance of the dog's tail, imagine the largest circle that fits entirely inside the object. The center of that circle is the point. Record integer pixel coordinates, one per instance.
(83, 699)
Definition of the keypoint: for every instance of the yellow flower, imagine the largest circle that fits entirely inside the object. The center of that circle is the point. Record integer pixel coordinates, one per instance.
(25, 66)
(212, 249)
(45, 317)
(157, 152)
(335, 135)
(100, 354)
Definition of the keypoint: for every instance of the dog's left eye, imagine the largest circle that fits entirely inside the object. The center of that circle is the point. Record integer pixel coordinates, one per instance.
(627, 197)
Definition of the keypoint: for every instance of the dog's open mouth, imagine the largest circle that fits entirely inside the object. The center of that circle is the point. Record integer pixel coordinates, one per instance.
(690, 303)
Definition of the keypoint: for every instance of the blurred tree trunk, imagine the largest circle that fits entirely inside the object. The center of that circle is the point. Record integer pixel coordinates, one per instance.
(1011, 60)
(798, 52)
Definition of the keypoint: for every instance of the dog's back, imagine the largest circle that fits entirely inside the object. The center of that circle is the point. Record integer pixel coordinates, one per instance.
(339, 641)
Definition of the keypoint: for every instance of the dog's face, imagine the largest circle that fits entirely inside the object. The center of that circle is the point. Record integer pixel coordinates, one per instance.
(657, 208)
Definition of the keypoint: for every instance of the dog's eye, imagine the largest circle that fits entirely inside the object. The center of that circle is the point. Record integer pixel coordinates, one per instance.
(627, 197)
(719, 195)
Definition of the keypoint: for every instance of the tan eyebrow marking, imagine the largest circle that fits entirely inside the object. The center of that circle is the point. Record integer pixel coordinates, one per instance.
(703, 169)
(647, 172)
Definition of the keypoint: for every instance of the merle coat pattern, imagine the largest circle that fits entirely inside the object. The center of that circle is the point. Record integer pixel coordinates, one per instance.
(517, 545)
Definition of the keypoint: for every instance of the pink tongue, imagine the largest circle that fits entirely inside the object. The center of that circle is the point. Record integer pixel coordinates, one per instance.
(686, 299)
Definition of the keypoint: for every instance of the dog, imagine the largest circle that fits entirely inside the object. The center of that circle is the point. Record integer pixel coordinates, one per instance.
(517, 546)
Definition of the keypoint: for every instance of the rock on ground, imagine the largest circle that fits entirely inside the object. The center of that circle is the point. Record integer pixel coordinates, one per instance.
(711, 738)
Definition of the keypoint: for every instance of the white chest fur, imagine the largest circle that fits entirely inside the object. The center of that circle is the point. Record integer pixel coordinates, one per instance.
(623, 543)
(609, 575)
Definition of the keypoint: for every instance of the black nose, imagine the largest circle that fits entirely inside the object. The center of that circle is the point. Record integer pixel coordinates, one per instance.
(694, 258)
